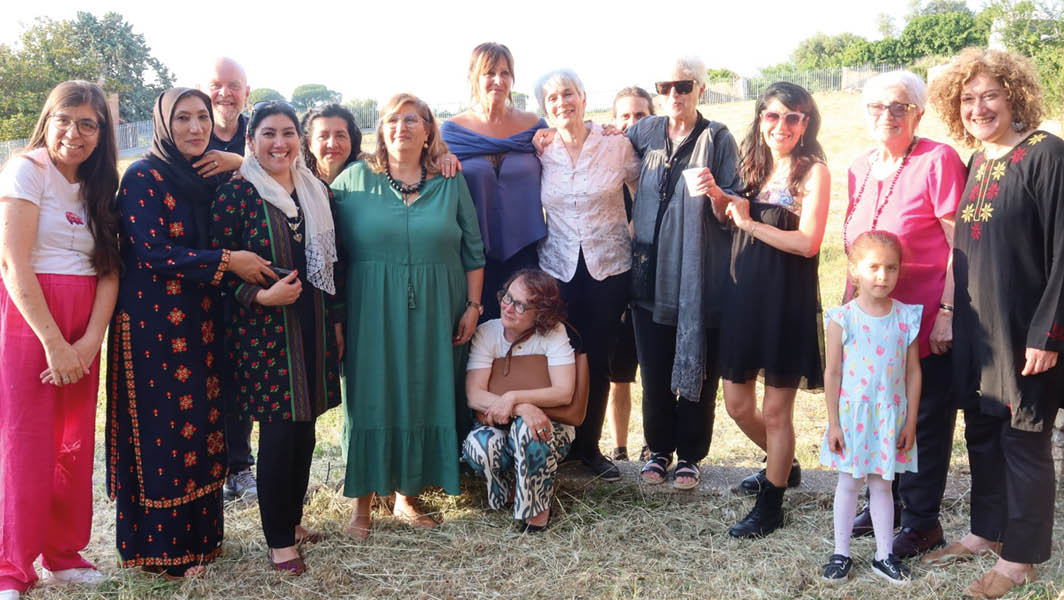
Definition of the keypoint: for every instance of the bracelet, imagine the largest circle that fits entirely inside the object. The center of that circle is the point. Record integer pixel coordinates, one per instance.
(946, 307)
(474, 304)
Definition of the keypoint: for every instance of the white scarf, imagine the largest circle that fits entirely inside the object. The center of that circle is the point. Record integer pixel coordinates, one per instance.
(314, 198)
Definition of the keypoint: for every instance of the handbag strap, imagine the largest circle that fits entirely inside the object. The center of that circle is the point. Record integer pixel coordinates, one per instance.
(525, 337)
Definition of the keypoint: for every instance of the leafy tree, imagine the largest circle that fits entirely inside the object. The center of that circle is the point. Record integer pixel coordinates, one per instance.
(310, 95)
(940, 34)
(50, 52)
(941, 7)
(718, 75)
(1035, 28)
(264, 95)
(823, 51)
(885, 25)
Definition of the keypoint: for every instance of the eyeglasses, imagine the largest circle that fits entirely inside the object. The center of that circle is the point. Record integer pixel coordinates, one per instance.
(271, 103)
(684, 86)
(896, 109)
(409, 120)
(86, 127)
(791, 119)
(506, 300)
(988, 97)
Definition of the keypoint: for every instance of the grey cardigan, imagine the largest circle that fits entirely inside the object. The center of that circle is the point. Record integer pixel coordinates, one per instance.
(692, 247)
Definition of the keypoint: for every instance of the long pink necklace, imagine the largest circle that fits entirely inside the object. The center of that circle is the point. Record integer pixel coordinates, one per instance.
(881, 205)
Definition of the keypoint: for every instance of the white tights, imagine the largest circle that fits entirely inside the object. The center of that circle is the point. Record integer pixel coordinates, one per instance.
(881, 504)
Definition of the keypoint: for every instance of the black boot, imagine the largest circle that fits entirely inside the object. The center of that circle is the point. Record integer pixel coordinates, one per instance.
(752, 484)
(765, 517)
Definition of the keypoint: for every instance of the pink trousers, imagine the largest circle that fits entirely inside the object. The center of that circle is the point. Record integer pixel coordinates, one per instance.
(46, 440)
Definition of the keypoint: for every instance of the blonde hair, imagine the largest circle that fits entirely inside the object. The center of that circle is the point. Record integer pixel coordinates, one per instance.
(434, 148)
(486, 56)
(1014, 72)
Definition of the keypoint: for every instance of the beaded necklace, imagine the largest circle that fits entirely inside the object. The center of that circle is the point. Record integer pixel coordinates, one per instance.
(405, 189)
(881, 205)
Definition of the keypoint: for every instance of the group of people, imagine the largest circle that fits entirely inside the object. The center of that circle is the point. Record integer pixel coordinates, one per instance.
(260, 267)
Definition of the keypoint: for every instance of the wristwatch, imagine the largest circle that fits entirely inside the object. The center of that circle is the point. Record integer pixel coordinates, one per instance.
(476, 305)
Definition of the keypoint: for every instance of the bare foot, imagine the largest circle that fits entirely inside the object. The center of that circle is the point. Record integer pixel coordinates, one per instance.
(406, 509)
(280, 555)
(1020, 573)
(358, 527)
(979, 545)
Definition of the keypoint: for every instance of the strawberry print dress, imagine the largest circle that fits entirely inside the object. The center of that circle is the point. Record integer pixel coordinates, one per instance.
(872, 402)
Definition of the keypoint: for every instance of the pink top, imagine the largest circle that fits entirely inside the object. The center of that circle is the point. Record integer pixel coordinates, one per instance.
(928, 189)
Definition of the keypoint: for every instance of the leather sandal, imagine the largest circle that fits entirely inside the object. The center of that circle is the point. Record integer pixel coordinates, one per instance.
(294, 567)
(688, 470)
(992, 585)
(656, 468)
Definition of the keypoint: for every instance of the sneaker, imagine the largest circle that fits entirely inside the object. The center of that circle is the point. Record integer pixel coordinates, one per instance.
(85, 576)
(893, 570)
(241, 486)
(838, 568)
(602, 468)
(619, 453)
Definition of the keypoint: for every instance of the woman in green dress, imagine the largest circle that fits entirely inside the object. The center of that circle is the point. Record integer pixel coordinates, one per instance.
(414, 271)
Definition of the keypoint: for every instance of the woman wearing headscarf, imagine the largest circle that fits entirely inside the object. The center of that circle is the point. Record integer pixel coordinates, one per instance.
(284, 377)
(166, 446)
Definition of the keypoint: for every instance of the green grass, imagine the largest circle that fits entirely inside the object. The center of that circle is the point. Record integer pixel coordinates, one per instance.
(608, 540)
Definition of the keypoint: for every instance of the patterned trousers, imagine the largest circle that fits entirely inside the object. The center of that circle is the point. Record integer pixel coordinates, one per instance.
(513, 461)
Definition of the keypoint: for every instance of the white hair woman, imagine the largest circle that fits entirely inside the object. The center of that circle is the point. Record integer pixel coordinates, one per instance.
(911, 186)
(588, 247)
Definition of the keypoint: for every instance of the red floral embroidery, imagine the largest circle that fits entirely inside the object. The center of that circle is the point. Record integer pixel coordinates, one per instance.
(156, 175)
(190, 459)
(188, 431)
(976, 231)
(173, 287)
(213, 388)
(185, 402)
(177, 229)
(217, 470)
(213, 415)
(1018, 154)
(182, 374)
(74, 219)
(992, 191)
(179, 345)
(190, 486)
(207, 330)
(175, 316)
(169, 201)
(215, 442)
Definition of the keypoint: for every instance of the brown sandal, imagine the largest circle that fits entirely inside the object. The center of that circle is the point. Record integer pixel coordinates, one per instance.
(294, 567)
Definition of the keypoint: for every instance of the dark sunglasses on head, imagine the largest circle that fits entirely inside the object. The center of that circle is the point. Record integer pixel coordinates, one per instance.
(791, 119)
(268, 103)
(683, 86)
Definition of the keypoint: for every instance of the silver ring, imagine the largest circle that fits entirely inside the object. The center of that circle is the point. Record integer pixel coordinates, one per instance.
(215, 163)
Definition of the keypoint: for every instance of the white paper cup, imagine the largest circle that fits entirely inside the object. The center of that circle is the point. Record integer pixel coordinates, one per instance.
(691, 177)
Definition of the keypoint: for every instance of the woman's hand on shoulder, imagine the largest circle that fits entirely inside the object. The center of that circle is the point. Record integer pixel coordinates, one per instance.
(543, 138)
(251, 267)
(449, 165)
(216, 162)
(283, 292)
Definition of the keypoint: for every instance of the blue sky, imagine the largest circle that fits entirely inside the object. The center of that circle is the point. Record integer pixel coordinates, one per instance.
(374, 49)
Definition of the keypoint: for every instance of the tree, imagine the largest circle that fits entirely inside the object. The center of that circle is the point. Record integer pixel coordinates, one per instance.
(885, 25)
(310, 95)
(940, 34)
(718, 75)
(264, 95)
(101, 50)
(822, 51)
(1035, 28)
(941, 7)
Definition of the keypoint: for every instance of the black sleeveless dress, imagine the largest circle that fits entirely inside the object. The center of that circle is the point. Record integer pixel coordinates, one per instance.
(771, 322)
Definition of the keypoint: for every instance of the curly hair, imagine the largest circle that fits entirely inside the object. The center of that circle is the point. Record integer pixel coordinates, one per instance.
(330, 110)
(545, 298)
(434, 149)
(756, 165)
(1015, 73)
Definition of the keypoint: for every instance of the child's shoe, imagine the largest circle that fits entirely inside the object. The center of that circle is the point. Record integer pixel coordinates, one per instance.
(838, 569)
(893, 570)
(81, 576)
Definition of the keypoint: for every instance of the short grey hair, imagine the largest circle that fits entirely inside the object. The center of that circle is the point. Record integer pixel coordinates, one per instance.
(692, 67)
(914, 87)
(560, 77)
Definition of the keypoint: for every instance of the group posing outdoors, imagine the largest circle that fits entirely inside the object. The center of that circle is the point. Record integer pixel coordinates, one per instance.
(468, 290)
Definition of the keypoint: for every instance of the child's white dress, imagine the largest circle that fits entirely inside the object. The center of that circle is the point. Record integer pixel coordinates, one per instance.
(872, 402)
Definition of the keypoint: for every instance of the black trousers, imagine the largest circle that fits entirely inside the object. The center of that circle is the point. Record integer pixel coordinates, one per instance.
(238, 442)
(1013, 486)
(285, 452)
(921, 492)
(594, 308)
(670, 422)
(496, 272)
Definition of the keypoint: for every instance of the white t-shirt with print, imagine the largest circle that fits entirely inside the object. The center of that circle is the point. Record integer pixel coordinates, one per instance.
(489, 344)
(64, 244)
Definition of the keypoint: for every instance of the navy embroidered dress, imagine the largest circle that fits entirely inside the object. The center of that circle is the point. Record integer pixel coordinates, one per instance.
(165, 441)
(1008, 264)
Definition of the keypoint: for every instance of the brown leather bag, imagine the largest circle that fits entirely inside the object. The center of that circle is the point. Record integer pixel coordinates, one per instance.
(529, 372)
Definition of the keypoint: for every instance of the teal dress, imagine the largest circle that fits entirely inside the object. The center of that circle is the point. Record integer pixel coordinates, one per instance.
(405, 276)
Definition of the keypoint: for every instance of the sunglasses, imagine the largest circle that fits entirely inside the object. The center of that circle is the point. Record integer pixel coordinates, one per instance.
(683, 86)
(271, 103)
(790, 119)
(896, 109)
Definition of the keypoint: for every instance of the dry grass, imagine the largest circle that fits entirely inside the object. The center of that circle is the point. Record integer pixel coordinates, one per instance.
(608, 540)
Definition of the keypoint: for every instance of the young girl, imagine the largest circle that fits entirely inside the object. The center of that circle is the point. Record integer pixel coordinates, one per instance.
(872, 385)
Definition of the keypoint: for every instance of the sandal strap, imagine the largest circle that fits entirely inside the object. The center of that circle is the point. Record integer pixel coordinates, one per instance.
(686, 469)
(658, 463)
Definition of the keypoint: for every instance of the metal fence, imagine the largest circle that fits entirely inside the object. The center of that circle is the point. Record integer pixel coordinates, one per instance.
(132, 138)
